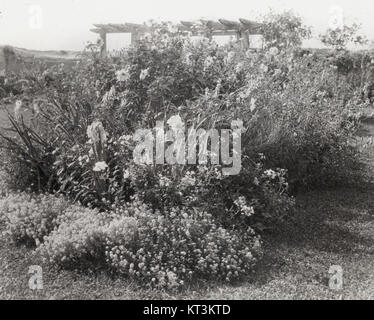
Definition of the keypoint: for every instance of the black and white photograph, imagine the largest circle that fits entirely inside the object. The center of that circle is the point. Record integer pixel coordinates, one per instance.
(200, 150)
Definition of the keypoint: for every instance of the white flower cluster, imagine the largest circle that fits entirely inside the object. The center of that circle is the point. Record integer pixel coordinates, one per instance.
(29, 218)
(189, 179)
(123, 74)
(100, 166)
(176, 123)
(17, 109)
(271, 174)
(208, 62)
(144, 74)
(96, 133)
(244, 208)
(164, 181)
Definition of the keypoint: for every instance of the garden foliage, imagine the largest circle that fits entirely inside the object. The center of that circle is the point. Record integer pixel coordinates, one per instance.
(71, 133)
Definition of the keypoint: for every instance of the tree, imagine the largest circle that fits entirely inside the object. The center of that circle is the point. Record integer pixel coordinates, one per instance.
(339, 38)
(284, 30)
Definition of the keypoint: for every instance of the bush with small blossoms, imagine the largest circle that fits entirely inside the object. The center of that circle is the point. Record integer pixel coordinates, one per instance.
(78, 240)
(29, 218)
(167, 250)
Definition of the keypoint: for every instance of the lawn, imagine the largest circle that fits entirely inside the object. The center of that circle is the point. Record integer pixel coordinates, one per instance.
(328, 228)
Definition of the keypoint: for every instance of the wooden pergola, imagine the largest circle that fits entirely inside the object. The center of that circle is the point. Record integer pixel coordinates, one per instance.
(241, 29)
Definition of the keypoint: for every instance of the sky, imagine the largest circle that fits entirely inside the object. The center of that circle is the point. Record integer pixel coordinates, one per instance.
(65, 24)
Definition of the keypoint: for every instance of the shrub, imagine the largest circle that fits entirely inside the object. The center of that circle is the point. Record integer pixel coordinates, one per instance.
(206, 188)
(299, 120)
(78, 240)
(291, 103)
(29, 218)
(165, 250)
(341, 36)
(158, 250)
(284, 30)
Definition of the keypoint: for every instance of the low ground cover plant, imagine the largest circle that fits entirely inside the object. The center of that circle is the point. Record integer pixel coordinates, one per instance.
(159, 250)
(31, 217)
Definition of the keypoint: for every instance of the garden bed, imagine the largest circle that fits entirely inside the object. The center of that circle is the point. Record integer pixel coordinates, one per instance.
(81, 194)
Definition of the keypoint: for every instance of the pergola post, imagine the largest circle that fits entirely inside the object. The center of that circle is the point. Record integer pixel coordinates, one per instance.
(209, 35)
(238, 35)
(245, 39)
(135, 37)
(103, 49)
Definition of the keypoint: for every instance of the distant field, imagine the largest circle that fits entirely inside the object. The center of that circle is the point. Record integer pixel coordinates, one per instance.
(51, 54)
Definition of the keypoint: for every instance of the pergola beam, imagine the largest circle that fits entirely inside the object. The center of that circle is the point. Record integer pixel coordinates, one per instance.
(96, 30)
(187, 24)
(211, 24)
(230, 25)
(251, 26)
